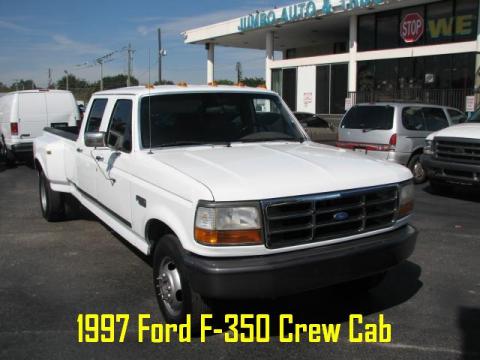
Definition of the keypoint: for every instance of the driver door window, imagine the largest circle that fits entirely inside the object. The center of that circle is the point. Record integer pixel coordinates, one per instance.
(119, 134)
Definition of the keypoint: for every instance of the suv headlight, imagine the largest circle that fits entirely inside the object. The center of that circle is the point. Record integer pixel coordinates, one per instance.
(228, 225)
(406, 194)
(428, 149)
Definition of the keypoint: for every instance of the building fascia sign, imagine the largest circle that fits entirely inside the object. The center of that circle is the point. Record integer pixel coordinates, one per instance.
(300, 11)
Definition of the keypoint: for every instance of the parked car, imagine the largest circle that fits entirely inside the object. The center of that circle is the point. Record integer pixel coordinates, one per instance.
(452, 155)
(24, 114)
(395, 131)
(319, 129)
(230, 199)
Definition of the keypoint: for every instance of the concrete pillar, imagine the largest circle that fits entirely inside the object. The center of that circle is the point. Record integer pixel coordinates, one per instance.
(268, 59)
(210, 63)
(352, 63)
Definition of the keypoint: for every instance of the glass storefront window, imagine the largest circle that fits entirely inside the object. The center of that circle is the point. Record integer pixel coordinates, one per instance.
(323, 90)
(444, 21)
(289, 87)
(366, 32)
(388, 33)
(439, 22)
(339, 83)
(466, 15)
(277, 81)
(430, 72)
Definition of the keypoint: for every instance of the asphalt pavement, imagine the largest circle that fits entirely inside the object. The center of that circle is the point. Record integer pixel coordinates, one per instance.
(51, 272)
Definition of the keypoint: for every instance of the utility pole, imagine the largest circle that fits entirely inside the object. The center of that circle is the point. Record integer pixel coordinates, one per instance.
(129, 62)
(49, 78)
(100, 62)
(66, 79)
(159, 56)
(238, 68)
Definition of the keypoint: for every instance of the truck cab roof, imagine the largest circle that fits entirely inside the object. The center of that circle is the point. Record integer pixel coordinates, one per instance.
(169, 89)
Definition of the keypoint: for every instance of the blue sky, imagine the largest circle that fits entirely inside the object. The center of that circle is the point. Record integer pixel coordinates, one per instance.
(37, 35)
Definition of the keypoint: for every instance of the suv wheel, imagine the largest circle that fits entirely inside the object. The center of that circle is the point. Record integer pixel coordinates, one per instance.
(416, 167)
(175, 296)
(51, 202)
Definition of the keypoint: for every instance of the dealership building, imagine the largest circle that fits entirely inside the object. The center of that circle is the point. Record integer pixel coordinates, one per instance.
(322, 56)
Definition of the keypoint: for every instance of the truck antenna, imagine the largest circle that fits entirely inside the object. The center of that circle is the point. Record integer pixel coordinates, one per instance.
(149, 108)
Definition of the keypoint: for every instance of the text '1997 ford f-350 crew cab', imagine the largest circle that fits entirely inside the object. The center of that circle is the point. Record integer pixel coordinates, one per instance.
(224, 189)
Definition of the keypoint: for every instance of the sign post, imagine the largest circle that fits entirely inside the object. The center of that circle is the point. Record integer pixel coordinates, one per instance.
(470, 104)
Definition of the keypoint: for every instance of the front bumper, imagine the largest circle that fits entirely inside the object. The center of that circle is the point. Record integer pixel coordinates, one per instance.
(294, 272)
(451, 172)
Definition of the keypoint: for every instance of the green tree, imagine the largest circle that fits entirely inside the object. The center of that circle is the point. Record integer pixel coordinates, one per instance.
(224, 82)
(254, 81)
(73, 83)
(164, 82)
(115, 82)
(23, 85)
(4, 88)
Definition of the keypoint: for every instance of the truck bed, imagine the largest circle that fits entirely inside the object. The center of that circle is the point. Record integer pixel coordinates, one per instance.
(67, 132)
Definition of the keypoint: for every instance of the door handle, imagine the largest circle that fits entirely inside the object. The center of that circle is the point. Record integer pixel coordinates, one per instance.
(79, 150)
(99, 158)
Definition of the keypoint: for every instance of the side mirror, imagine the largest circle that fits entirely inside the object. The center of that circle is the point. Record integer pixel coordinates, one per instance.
(95, 139)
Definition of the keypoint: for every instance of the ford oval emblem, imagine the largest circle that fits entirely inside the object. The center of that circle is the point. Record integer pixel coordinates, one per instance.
(341, 216)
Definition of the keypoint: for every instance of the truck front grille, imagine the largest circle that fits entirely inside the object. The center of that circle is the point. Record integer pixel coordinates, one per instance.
(316, 218)
(457, 150)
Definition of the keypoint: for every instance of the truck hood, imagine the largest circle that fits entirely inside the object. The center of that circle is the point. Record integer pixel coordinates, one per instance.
(272, 170)
(465, 130)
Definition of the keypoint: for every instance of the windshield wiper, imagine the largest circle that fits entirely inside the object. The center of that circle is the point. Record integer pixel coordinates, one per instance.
(193, 143)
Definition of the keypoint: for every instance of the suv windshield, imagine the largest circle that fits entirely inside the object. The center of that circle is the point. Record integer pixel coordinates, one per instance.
(372, 117)
(214, 118)
(475, 118)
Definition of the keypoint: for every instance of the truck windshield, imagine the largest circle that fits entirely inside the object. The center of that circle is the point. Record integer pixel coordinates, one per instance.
(475, 118)
(214, 118)
(369, 118)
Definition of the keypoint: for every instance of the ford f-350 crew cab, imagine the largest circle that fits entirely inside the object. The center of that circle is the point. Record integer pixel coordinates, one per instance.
(224, 189)
(452, 155)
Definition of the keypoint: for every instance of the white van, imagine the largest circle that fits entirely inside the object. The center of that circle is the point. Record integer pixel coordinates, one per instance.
(24, 114)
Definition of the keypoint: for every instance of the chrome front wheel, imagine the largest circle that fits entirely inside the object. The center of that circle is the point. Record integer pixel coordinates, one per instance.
(170, 287)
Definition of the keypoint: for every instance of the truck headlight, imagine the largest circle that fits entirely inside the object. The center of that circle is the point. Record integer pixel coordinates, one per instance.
(428, 149)
(406, 194)
(228, 225)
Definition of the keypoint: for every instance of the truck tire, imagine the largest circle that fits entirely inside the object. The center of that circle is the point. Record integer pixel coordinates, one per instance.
(51, 202)
(6, 155)
(416, 167)
(175, 296)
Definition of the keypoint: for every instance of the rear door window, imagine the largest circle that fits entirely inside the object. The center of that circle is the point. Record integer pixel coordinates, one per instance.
(373, 117)
(435, 119)
(456, 117)
(95, 116)
(413, 119)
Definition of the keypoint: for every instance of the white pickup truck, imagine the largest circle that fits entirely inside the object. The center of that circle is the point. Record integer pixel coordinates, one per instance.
(452, 155)
(223, 188)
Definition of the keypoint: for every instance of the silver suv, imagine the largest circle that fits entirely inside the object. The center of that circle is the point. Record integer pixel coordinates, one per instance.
(395, 131)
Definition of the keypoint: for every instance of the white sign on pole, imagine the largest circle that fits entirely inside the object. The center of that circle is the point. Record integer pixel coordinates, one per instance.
(348, 103)
(307, 98)
(470, 104)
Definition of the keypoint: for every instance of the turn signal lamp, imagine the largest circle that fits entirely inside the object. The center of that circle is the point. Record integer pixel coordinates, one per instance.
(406, 194)
(220, 226)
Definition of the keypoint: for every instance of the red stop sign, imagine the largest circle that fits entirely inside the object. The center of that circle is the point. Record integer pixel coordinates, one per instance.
(412, 27)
